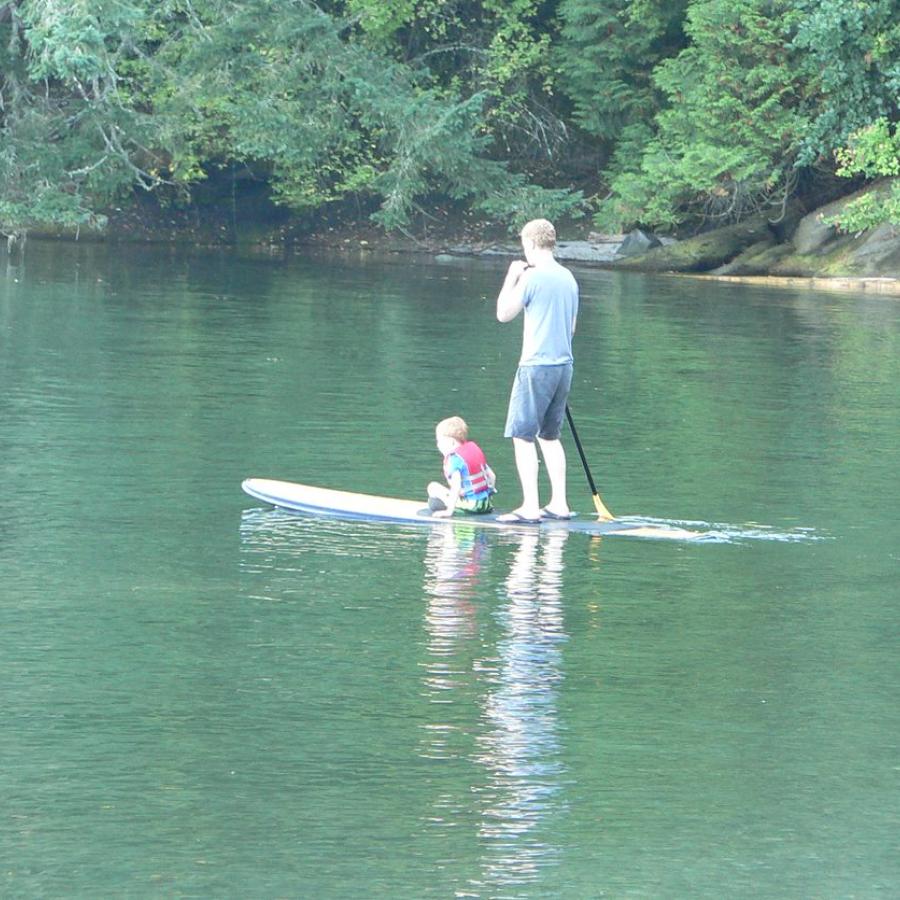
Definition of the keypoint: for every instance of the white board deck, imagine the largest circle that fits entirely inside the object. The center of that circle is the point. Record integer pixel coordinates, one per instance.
(318, 501)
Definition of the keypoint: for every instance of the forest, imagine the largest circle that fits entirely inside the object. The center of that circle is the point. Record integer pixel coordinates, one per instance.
(665, 114)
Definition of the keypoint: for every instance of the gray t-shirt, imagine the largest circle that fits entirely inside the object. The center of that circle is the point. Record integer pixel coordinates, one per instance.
(551, 305)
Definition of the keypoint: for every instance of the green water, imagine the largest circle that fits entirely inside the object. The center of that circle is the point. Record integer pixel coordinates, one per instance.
(202, 697)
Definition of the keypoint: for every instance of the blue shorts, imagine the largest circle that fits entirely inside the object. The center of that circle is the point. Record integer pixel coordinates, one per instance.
(537, 404)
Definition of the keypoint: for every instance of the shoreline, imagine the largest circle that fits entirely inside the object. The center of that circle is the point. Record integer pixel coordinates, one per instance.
(871, 284)
(580, 253)
(591, 254)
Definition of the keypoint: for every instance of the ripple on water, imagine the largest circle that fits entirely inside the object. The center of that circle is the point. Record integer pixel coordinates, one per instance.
(726, 533)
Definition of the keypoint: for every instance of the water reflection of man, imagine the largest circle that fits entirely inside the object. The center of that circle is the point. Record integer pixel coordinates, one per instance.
(521, 750)
(496, 708)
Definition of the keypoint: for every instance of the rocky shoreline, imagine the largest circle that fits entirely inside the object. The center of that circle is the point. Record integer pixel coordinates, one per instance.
(603, 255)
(799, 249)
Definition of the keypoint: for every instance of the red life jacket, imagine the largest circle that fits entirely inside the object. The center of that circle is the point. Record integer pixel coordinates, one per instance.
(474, 482)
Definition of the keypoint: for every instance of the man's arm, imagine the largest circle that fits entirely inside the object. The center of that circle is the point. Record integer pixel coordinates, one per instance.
(509, 300)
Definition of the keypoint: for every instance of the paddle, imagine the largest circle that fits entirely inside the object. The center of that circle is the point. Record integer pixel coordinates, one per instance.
(602, 511)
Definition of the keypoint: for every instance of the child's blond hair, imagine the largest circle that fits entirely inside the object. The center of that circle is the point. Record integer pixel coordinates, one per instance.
(455, 427)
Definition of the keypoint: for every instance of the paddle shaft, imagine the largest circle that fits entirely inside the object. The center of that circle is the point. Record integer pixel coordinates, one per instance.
(602, 511)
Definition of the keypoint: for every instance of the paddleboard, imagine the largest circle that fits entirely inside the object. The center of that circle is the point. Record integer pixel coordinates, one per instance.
(318, 501)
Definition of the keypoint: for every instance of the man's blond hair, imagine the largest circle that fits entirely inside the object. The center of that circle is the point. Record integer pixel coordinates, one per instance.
(541, 232)
(454, 427)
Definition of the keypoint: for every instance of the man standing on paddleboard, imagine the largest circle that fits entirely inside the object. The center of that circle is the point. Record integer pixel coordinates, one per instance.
(547, 293)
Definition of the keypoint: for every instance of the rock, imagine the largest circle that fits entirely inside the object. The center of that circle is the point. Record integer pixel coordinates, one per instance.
(571, 251)
(875, 252)
(878, 254)
(705, 251)
(496, 250)
(757, 259)
(586, 251)
(783, 222)
(637, 242)
(871, 285)
(813, 233)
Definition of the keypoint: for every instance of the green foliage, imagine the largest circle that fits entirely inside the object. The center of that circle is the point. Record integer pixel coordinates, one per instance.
(382, 21)
(520, 202)
(850, 64)
(148, 93)
(723, 141)
(606, 56)
(61, 119)
(693, 109)
(499, 50)
(326, 116)
(874, 153)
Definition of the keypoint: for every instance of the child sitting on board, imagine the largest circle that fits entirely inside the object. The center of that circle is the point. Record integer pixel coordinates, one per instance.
(470, 480)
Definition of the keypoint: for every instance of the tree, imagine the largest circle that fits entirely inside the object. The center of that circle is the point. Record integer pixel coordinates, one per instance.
(606, 56)
(69, 140)
(725, 140)
(111, 94)
(696, 111)
(497, 49)
(764, 90)
(850, 58)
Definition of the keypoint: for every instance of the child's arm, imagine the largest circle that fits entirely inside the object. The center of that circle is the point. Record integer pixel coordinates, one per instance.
(455, 482)
(491, 478)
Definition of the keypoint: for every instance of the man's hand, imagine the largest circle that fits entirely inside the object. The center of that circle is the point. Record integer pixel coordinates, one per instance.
(516, 269)
(509, 300)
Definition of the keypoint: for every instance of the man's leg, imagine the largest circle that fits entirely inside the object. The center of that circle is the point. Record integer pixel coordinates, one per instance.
(521, 419)
(527, 467)
(558, 379)
(555, 459)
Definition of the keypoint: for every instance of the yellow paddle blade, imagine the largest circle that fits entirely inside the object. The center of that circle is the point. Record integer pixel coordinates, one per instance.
(602, 512)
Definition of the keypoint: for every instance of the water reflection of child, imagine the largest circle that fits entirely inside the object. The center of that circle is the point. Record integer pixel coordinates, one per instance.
(470, 480)
(453, 562)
